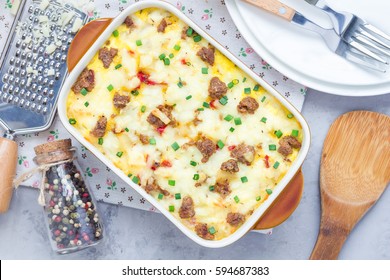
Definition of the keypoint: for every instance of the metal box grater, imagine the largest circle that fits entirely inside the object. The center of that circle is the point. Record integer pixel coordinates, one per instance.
(32, 70)
(31, 73)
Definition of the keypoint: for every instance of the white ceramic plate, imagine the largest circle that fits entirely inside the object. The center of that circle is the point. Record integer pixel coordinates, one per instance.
(303, 56)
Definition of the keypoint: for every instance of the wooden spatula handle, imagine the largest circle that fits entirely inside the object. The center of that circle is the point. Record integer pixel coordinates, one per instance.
(329, 242)
(275, 7)
(8, 159)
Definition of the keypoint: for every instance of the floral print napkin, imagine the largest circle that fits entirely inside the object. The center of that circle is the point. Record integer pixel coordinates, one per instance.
(210, 15)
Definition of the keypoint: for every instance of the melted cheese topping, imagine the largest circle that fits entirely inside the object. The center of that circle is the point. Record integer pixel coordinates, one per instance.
(183, 85)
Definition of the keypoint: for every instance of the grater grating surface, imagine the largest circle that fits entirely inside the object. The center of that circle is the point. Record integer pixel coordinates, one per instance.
(33, 65)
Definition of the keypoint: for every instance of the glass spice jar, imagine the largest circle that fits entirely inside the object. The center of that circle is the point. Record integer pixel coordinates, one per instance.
(70, 209)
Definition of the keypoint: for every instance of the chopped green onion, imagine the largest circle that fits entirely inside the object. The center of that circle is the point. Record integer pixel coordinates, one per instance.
(177, 47)
(172, 183)
(220, 144)
(269, 191)
(160, 196)
(290, 116)
(200, 109)
(278, 133)
(197, 38)
(244, 179)
(167, 61)
(72, 121)
(196, 177)
(110, 87)
(263, 99)
(138, 43)
(180, 84)
(236, 199)
(193, 163)
(264, 120)
(189, 31)
(118, 66)
(161, 56)
(294, 133)
(230, 85)
(211, 188)
(175, 146)
(119, 154)
(188, 97)
(237, 121)
(231, 129)
(143, 108)
(205, 70)
(115, 33)
(177, 196)
(206, 105)
(84, 91)
(86, 104)
(212, 230)
(126, 129)
(135, 179)
(135, 92)
(228, 118)
(152, 141)
(276, 164)
(258, 198)
(171, 208)
(244, 80)
(171, 55)
(129, 175)
(256, 87)
(272, 147)
(100, 141)
(223, 100)
(247, 90)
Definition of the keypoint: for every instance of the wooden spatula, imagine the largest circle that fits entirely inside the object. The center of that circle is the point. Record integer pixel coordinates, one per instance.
(355, 170)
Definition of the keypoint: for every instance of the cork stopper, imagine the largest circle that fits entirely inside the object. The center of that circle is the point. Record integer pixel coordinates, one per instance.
(55, 151)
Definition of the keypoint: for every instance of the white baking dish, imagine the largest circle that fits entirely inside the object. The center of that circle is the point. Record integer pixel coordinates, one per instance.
(192, 235)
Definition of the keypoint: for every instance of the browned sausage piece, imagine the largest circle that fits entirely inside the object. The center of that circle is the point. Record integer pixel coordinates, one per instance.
(207, 55)
(120, 101)
(107, 55)
(202, 231)
(235, 219)
(223, 188)
(85, 80)
(187, 208)
(247, 105)
(129, 22)
(144, 139)
(162, 25)
(243, 153)
(230, 166)
(206, 147)
(287, 143)
(153, 186)
(161, 116)
(217, 88)
(100, 127)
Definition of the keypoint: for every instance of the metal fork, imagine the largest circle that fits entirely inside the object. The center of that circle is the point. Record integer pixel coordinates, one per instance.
(370, 46)
(344, 45)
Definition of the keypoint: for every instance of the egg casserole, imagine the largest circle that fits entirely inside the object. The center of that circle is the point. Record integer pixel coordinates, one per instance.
(184, 123)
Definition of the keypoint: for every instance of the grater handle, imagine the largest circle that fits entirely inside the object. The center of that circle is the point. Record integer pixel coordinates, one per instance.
(8, 159)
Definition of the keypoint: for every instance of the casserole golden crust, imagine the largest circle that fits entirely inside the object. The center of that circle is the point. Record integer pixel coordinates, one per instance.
(184, 123)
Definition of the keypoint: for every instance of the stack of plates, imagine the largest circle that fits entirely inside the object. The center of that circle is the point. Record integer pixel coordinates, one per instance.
(304, 57)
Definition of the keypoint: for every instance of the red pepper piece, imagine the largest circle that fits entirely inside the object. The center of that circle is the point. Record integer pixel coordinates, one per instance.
(166, 163)
(266, 161)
